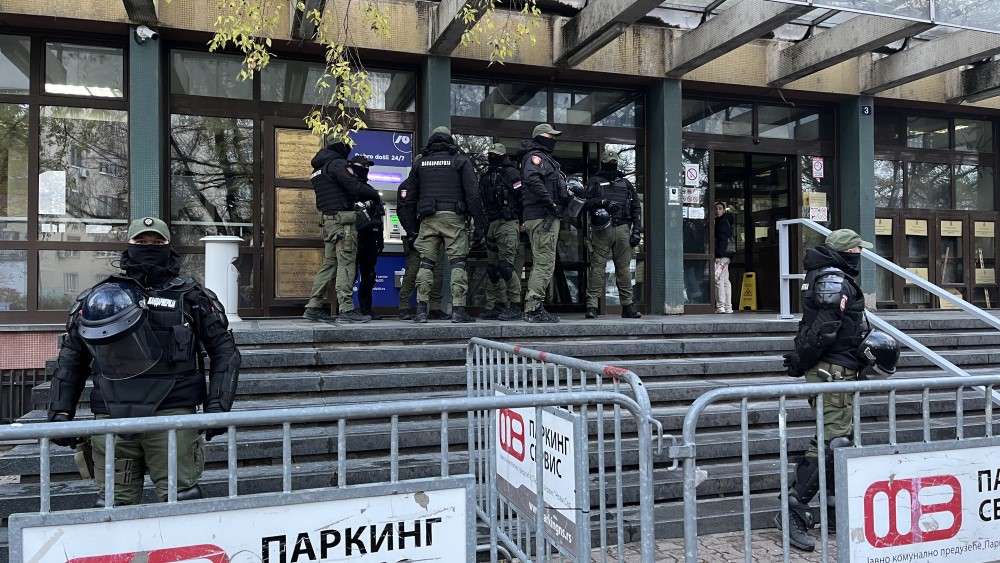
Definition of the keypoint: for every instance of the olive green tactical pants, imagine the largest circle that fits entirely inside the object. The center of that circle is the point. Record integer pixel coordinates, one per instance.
(502, 240)
(609, 244)
(147, 453)
(521, 255)
(543, 252)
(838, 408)
(443, 229)
(340, 249)
(409, 284)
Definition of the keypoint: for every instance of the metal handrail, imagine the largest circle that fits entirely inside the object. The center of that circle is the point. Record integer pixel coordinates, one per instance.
(878, 322)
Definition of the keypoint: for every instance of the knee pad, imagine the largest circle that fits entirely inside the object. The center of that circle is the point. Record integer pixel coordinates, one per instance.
(458, 263)
(493, 273)
(506, 269)
(426, 264)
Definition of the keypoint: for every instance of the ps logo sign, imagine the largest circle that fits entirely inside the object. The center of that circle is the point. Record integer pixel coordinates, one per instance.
(893, 496)
(511, 433)
(402, 142)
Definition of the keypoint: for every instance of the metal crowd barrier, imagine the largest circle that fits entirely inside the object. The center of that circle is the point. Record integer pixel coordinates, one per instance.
(898, 425)
(495, 369)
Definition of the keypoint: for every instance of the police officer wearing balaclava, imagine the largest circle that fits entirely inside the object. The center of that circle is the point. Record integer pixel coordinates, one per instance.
(544, 198)
(337, 190)
(371, 238)
(609, 189)
(826, 345)
(443, 182)
(500, 187)
(139, 333)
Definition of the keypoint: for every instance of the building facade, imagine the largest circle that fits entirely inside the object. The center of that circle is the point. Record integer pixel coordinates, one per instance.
(869, 120)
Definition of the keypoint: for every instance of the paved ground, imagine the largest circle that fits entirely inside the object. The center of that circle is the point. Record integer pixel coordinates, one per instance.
(765, 547)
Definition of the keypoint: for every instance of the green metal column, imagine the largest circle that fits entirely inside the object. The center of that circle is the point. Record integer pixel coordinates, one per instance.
(146, 132)
(435, 97)
(664, 234)
(857, 175)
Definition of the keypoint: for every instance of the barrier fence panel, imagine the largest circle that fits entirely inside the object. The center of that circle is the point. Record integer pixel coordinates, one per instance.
(397, 476)
(909, 488)
(507, 444)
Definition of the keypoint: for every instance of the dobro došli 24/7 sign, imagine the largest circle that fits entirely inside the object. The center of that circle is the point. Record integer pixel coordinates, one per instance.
(427, 520)
(936, 502)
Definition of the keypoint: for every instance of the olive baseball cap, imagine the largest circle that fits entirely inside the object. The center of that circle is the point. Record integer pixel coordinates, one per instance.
(497, 148)
(441, 129)
(148, 225)
(842, 240)
(543, 128)
(609, 156)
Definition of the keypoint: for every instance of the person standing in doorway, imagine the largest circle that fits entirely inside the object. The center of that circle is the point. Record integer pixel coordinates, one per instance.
(725, 251)
(337, 190)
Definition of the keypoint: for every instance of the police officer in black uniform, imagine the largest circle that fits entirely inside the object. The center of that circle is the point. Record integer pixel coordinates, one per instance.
(609, 189)
(826, 349)
(371, 238)
(500, 187)
(443, 182)
(140, 334)
(337, 191)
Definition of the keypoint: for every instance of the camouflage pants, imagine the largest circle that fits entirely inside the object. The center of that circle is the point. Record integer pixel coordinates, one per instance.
(610, 244)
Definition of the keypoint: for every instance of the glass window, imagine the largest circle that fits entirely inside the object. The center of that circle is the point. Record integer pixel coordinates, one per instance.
(926, 133)
(15, 63)
(929, 185)
(784, 122)
(13, 280)
(888, 184)
(208, 74)
(63, 273)
(890, 129)
(696, 279)
(718, 118)
(211, 177)
(392, 90)
(971, 135)
(84, 70)
(83, 176)
(13, 172)
(615, 108)
(817, 193)
(516, 101)
(292, 82)
(974, 188)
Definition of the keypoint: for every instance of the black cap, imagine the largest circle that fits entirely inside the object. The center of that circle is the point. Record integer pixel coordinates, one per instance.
(362, 160)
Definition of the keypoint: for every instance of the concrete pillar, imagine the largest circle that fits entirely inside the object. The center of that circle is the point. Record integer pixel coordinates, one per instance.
(435, 111)
(857, 176)
(145, 128)
(664, 233)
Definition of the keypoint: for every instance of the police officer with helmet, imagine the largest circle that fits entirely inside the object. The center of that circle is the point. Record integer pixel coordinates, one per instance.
(609, 190)
(140, 333)
(829, 346)
(444, 185)
(337, 190)
(500, 187)
(544, 200)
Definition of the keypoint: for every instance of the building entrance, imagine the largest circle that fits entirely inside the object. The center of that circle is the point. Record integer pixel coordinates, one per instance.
(756, 190)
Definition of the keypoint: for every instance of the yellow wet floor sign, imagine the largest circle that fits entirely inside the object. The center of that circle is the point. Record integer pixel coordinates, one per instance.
(748, 294)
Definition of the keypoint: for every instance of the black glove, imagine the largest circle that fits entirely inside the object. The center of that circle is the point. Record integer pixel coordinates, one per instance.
(478, 234)
(791, 365)
(411, 239)
(611, 206)
(210, 433)
(553, 210)
(64, 442)
(635, 238)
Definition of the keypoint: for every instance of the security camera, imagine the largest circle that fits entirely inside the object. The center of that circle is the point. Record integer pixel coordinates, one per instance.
(142, 33)
(756, 141)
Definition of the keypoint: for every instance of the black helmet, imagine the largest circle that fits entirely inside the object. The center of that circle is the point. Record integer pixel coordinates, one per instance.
(880, 351)
(575, 187)
(113, 325)
(600, 219)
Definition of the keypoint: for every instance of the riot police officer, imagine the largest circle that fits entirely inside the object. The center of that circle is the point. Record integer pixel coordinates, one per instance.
(406, 211)
(544, 199)
(826, 347)
(337, 190)
(443, 182)
(140, 332)
(371, 238)
(609, 189)
(500, 187)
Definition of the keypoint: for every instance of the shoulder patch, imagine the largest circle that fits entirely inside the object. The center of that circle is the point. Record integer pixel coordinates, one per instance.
(516, 185)
(402, 193)
(536, 160)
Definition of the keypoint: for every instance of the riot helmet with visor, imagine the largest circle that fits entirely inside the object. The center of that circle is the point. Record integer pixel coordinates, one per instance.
(114, 324)
(879, 351)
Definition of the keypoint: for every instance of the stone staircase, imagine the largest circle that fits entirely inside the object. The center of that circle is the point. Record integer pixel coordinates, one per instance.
(291, 364)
